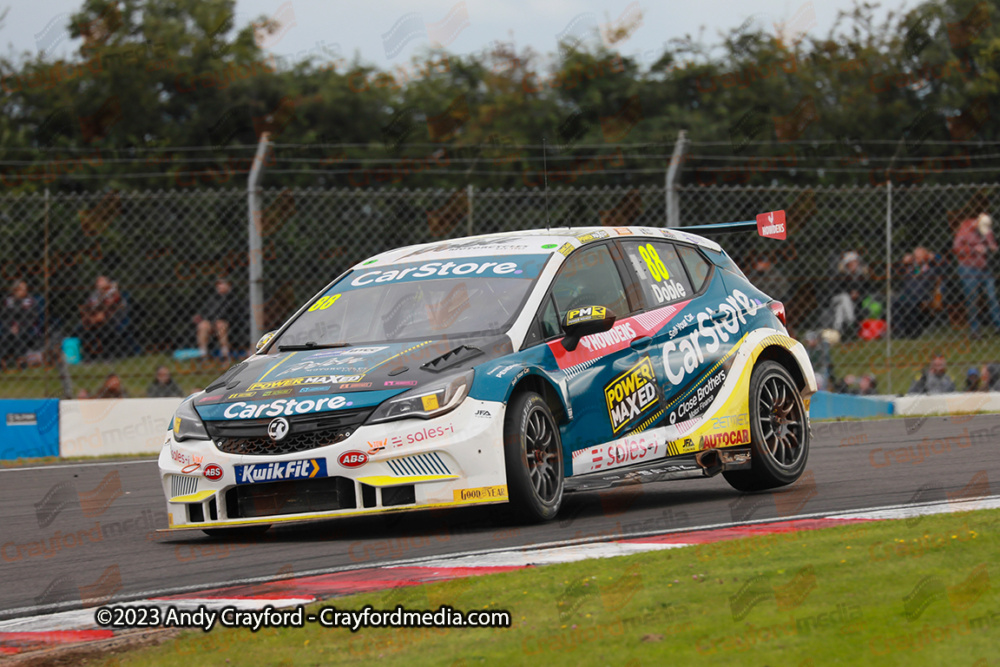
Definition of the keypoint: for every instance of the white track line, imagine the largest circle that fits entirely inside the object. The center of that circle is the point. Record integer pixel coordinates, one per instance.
(57, 466)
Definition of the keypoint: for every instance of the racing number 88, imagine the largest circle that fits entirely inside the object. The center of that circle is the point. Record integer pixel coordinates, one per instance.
(324, 302)
(653, 262)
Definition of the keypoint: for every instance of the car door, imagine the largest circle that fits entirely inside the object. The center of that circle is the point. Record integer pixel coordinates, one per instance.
(610, 378)
(693, 343)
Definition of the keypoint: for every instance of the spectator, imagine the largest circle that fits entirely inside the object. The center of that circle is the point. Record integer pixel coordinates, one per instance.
(20, 324)
(974, 243)
(819, 355)
(990, 377)
(934, 379)
(112, 388)
(973, 380)
(102, 319)
(849, 286)
(920, 274)
(216, 316)
(769, 279)
(82, 394)
(163, 385)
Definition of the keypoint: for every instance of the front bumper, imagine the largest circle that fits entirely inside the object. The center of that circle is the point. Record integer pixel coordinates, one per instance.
(453, 460)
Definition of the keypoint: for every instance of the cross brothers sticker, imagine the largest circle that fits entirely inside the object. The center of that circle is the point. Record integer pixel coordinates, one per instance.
(631, 394)
(586, 314)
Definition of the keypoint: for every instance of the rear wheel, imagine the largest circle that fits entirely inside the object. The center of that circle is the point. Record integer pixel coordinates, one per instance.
(779, 431)
(533, 456)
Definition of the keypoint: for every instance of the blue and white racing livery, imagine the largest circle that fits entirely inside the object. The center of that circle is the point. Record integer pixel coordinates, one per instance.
(501, 368)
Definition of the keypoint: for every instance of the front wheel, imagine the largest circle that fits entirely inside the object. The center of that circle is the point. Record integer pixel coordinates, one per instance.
(779, 431)
(533, 456)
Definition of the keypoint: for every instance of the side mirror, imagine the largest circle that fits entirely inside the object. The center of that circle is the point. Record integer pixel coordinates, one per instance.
(265, 339)
(580, 322)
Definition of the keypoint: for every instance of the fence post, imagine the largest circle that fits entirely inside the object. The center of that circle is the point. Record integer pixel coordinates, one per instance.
(47, 293)
(254, 222)
(468, 193)
(888, 283)
(673, 208)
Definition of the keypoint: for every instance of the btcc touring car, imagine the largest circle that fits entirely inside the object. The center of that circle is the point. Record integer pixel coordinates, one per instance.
(505, 368)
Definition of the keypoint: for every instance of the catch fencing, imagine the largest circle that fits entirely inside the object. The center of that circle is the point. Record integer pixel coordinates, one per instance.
(164, 250)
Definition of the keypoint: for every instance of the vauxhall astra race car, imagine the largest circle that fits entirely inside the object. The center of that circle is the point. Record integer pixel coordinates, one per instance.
(506, 368)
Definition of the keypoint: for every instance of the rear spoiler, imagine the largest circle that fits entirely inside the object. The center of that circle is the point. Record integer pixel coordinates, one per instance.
(769, 225)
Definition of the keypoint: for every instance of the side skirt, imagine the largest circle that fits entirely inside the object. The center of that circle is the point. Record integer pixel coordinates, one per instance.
(706, 463)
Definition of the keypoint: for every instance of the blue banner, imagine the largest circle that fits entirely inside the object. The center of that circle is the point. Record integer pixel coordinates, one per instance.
(29, 428)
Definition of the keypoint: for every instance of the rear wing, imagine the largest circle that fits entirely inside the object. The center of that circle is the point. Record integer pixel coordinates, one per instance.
(769, 225)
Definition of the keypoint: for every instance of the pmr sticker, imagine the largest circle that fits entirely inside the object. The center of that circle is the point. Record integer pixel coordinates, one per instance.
(587, 314)
(630, 394)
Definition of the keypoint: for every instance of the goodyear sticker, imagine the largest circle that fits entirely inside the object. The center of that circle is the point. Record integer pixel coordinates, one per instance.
(483, 493)
(565, 249)
(631, 394)
(587, 314)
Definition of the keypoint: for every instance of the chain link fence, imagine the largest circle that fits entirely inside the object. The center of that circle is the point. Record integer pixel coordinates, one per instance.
(868, 275)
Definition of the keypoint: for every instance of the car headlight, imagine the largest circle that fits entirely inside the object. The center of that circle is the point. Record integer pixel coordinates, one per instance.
(425, 402)
(187, 423)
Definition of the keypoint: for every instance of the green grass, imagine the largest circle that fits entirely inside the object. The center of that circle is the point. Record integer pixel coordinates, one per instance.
(136, 374)
(909, 357)
(834, 596)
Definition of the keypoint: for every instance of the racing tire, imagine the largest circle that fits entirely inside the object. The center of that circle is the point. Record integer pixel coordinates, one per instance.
(533, 459)
(237, 533)
(779, 431)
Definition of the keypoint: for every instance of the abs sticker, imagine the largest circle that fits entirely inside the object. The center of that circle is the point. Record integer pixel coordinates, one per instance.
(631, 394)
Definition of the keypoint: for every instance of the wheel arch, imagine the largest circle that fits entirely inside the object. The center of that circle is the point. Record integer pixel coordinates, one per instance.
(544, 388)
(785, 357)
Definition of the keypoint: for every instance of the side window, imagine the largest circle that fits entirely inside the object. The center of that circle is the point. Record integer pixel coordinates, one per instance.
(698, 267)
(549, 320)
(589, 278)
(661, 274)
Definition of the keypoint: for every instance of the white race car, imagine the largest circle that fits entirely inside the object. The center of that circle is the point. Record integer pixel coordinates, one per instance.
(507, 368)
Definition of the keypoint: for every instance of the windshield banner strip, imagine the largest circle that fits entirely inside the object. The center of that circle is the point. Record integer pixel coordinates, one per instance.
(510, 266)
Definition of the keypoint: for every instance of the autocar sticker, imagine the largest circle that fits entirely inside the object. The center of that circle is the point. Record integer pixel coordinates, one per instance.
(632, 394)
(617, 338)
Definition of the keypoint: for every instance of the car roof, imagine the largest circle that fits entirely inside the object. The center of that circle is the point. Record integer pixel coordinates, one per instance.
(529, 242)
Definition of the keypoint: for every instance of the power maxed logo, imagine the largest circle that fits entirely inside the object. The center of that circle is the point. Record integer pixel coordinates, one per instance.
(631, 393)
(280, 471)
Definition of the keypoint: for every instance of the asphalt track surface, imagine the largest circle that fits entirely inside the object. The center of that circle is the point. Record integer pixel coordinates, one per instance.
(81, 531)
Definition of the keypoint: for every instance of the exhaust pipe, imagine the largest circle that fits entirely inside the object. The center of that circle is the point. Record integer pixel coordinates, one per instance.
(710, 461)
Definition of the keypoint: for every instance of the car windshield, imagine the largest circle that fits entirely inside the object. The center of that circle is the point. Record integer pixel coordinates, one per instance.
(418, 300)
